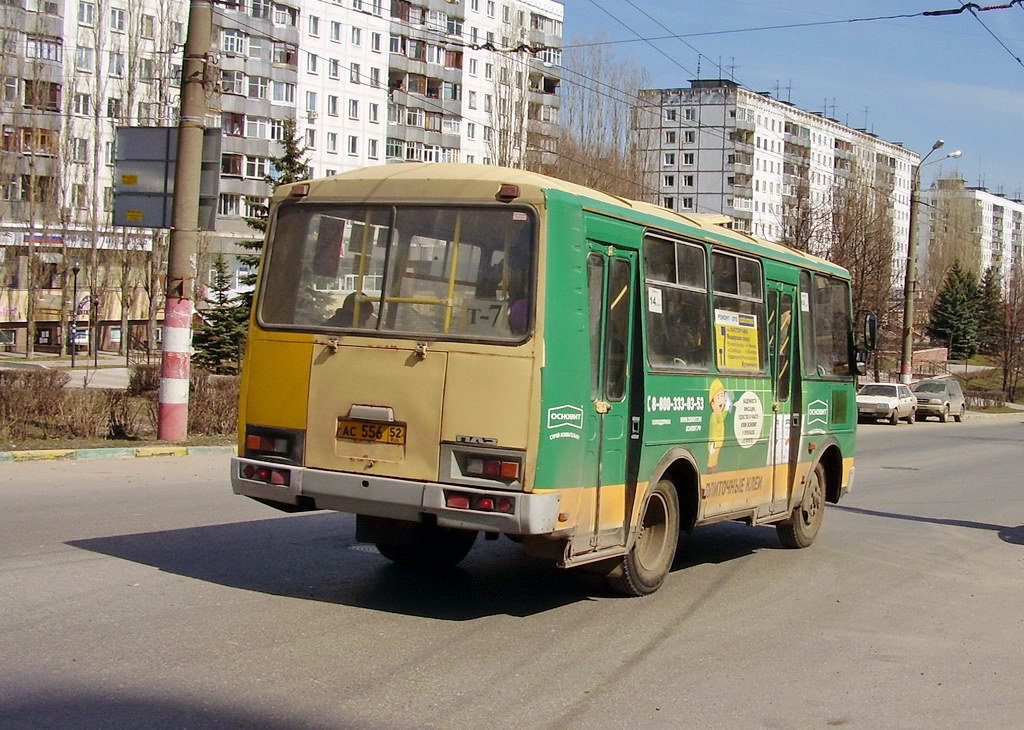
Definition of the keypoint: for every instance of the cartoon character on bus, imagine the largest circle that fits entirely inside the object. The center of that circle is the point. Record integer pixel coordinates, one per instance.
(720, 406)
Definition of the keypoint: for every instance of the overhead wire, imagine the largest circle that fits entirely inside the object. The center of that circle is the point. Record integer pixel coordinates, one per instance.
(973, 8)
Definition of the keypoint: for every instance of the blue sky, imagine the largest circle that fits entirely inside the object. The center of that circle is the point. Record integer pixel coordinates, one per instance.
(920, 79)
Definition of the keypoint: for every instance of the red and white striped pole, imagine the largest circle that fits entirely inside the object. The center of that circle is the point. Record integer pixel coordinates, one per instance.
(172, 422)
(174, 370)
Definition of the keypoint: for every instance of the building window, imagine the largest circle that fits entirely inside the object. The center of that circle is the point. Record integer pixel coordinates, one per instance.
(353, 109)
(312, 63)
(669, 181)
(670, 115)
(231, 165)
(314, 26)
(669, 203)
(374, 113)
(310, 101)
(233, 41)
(86, 13)
(336, 31)
(114, 107)
(84, 59)
(311, 138)
(332, 105)
(472, 100)
(258, 87)
(257, 127)
(83, 104)
(670, 137)
(256, 167)
(357, 36)
(690, 137)
(687, 203)
(260, 9)
(669, 158)
(232, 82)
(334, 68)
(375, 42)
(229, 204)
(688, 158)
(690, 115)
(353, 144)
(282, 91)
(371, 149)
(354, 73)
(375, 77)
(117, 20)
(688, 181)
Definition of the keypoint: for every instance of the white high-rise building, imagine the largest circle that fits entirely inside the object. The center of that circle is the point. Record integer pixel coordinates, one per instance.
(988, 228)
(368, 82)
(717, 147)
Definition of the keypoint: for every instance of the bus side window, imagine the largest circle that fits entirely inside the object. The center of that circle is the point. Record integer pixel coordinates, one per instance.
(677, 305)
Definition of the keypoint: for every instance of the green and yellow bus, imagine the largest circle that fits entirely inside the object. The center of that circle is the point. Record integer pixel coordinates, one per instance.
(449, 349)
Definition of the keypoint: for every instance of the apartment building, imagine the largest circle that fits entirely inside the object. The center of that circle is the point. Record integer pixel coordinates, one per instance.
(368, 82)
(984, 228)
(717, 147)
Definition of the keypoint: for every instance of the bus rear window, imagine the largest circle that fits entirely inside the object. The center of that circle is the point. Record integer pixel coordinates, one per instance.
(420, 271)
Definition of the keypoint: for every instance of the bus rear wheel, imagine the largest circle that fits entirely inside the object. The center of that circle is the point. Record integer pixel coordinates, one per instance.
(643, 569)
(427, 546)
(802, 526)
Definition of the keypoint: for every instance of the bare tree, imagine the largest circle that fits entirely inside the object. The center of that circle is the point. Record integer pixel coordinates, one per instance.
(601, 144)
(953, 233)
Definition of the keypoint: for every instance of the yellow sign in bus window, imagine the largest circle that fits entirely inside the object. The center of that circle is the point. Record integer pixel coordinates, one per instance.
(736, 344)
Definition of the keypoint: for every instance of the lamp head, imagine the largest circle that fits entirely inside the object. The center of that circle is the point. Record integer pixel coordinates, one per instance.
(956, 154)
(75, 267)
(938, 143)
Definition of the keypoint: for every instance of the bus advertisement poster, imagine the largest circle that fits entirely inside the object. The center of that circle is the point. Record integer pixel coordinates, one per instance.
(737, 340)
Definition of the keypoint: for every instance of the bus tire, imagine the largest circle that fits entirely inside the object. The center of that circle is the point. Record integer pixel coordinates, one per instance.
(643, 569)
(802, 526)
(428, 546)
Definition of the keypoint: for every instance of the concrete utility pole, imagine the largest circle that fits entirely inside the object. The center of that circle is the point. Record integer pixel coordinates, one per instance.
(910, 278)
(184, 244)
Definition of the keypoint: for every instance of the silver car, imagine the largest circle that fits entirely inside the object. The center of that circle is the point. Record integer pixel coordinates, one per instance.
(891, 401)
(940, 397)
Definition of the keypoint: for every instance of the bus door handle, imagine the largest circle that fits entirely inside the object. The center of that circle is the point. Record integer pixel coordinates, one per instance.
(634, 428)
(795, 419)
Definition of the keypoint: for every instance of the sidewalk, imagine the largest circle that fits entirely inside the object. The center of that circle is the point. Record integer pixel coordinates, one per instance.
(107, 370)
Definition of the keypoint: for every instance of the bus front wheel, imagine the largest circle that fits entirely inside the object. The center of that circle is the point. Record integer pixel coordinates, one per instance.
(802, 526)
(643, 569)
(427, 546)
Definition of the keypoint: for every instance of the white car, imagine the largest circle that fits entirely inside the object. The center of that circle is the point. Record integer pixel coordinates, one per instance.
(891, 401)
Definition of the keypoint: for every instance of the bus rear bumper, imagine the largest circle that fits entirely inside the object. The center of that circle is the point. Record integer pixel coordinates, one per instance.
(401, 499)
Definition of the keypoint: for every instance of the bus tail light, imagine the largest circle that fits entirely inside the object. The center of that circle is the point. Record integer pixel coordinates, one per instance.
(274, 444)
(479, 502)
(267, 475)
(492, 468)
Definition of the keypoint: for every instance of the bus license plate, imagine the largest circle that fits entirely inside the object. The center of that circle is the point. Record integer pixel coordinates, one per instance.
(373, 431)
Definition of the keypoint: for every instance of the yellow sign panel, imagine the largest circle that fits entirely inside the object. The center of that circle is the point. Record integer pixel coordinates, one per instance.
(129, 179)
(736, 341)
(135, 216)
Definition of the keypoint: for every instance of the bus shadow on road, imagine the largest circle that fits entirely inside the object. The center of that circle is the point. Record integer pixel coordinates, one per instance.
(315, 557)
(1006, 533)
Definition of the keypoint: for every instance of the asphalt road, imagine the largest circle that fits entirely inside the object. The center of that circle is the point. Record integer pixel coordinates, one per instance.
(142, 593)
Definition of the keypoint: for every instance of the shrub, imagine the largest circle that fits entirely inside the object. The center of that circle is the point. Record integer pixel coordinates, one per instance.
(30, 400)
(213, 403)
(144, 379)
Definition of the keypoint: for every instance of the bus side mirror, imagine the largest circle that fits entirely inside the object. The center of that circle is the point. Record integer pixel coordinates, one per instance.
(870, 332)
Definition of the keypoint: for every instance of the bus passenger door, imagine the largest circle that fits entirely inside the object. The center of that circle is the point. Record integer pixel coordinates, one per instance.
(785, 438)
(611, 276)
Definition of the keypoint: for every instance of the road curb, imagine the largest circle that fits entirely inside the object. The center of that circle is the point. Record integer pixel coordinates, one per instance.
(137, 452)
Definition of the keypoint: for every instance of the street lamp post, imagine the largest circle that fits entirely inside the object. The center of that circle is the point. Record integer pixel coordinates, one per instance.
(75, 268)
(910, 280)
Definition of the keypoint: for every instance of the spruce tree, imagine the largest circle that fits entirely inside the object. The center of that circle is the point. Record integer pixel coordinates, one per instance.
(954, 316)
(991, 313)
(218, 340)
